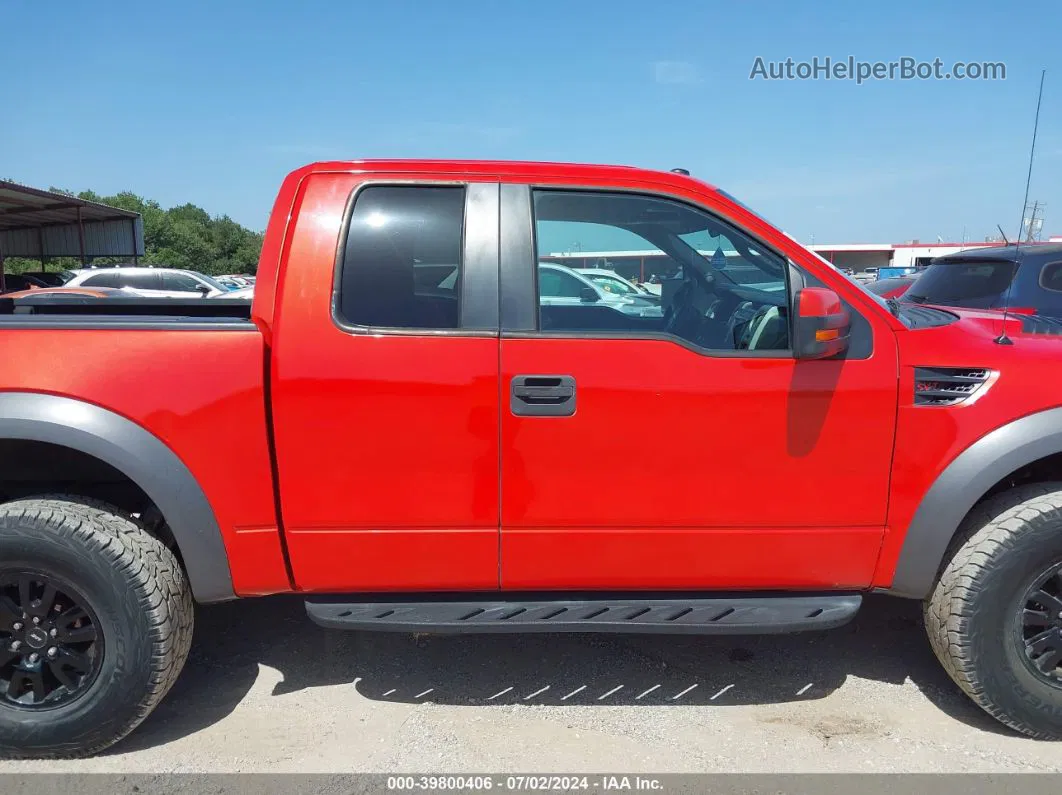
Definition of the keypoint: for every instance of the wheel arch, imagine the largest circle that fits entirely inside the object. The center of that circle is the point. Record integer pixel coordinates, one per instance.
(975, 473)
(141, 457)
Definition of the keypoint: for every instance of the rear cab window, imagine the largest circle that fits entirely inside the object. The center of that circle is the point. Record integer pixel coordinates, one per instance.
(402, 258)
(974, 283)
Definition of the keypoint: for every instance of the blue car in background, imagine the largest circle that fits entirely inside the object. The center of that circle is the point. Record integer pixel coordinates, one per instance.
(892, 273)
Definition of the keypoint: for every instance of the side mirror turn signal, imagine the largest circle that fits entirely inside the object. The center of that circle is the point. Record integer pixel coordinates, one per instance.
(821, 325)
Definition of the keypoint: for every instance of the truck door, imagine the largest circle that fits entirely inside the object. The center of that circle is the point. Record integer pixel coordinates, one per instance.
(679, 445)
(385, 385)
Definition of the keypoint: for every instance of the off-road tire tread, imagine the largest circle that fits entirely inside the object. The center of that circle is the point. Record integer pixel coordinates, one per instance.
(990, 530)
(158, 584)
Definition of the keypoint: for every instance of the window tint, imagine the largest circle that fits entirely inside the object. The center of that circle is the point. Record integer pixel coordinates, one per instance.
(179, 281)
(1051, 277)
(140, 281)
(719, 289)
(102, 280)
(976, 284)
(402, 258)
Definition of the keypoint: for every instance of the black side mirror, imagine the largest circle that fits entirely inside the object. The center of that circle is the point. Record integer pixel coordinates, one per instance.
(588, 295)
(204, 289)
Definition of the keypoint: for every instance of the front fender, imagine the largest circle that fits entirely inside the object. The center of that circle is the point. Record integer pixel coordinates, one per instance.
(144, 459)
(960, 486)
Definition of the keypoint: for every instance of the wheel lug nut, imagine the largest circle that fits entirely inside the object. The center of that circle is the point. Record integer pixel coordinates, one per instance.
(16, 626)
(16, 645)
(53, 632)
(53, 651)
(36, 619)
(34, 657)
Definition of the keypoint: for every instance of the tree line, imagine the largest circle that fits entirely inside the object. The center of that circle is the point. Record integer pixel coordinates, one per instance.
(186, 237)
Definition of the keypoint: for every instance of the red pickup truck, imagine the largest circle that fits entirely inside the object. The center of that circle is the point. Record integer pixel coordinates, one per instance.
(418, 428)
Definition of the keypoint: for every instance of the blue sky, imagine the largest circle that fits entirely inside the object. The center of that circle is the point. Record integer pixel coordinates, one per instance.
(213, 102)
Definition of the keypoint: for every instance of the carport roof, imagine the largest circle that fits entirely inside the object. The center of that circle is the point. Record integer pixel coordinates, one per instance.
(22, 207)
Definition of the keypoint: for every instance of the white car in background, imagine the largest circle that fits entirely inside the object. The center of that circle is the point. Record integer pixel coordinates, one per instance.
(148, 282)
(559, 285)
(247, 293)
(612, 282)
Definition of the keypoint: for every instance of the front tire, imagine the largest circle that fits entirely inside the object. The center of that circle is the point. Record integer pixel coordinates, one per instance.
(95, 625)
(994, 618)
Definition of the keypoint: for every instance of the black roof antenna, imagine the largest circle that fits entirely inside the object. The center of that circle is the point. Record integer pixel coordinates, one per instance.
(684, 172)
(1003, 339)
(1004, 234)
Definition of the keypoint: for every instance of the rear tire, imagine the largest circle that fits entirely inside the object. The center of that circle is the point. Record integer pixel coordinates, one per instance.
(994, 617)
(136, 631)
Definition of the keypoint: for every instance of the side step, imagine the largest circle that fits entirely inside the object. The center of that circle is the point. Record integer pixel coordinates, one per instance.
(698, 615)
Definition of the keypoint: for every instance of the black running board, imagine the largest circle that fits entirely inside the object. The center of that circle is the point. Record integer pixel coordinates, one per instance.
(735, 615)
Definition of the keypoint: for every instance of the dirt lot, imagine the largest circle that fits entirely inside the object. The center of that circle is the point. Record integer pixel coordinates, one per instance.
(265, 690)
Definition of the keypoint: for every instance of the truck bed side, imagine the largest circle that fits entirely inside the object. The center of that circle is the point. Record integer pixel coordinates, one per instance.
(200, 392)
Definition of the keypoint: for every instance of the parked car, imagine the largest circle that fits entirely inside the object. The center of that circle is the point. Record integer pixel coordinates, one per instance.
(797, 449)
(1027, 278)
(48, 278)
(865, 275)
(149, 282)
(612, 282)
(892, 287)
(73, 292)
(243, 292)
(560, 285)
(233, 282)
(16, 282)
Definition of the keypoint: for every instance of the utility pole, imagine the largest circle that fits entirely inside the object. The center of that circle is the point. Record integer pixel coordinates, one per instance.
(1033, 221)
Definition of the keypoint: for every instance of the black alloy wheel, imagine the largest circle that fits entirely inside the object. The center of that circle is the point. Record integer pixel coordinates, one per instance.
(51, 646)
(1040, 626)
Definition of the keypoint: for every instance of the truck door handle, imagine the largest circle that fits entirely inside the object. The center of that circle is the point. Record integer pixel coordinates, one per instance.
(542, 395)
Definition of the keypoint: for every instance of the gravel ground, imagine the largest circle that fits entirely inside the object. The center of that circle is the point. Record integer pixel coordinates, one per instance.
(265, 690)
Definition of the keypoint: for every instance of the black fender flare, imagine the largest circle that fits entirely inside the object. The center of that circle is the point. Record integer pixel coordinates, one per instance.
(143, 458)
(960, 486)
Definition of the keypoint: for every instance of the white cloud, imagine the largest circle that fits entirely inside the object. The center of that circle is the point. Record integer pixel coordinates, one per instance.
(679, 73)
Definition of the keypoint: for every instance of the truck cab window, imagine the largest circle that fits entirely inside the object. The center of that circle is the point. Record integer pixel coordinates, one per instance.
(708, 284)
(401, 264)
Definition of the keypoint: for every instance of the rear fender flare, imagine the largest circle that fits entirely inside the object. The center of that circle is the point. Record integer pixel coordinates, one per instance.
(143, 458)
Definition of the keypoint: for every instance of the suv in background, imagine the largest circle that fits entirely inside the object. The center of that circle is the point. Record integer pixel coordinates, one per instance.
(1027, 278)
(149, 282)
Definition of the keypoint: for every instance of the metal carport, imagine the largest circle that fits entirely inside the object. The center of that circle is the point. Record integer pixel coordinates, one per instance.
(39, 224)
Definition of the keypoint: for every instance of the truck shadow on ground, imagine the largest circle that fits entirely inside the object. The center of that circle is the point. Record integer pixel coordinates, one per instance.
(884, 643)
